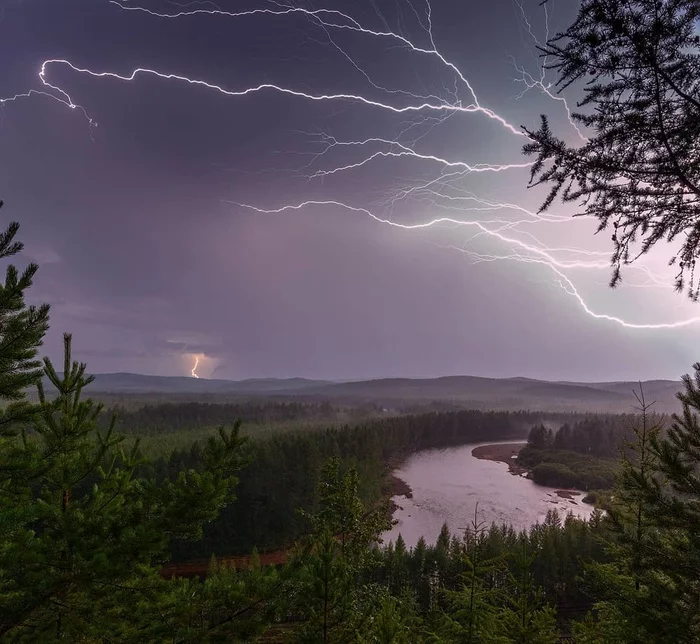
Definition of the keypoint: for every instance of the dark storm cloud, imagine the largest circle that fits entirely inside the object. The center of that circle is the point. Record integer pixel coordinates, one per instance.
(148, 262)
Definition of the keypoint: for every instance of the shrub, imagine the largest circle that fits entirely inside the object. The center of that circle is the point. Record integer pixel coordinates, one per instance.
(555, 475)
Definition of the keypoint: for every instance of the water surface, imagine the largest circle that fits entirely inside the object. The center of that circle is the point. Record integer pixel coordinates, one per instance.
(448, 483)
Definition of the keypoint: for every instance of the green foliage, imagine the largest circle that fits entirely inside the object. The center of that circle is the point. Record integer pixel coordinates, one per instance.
(156, 419)
(472, 610)
(651, 593)
(395, 621)
(555, 475)
(526, 618)
(79, 527)
(597, 435)
(22, 330)
(342, 513)
(229, 605)
(333, 604)
(592, 497)
(497, 599)
(607, 625)
(560, 468)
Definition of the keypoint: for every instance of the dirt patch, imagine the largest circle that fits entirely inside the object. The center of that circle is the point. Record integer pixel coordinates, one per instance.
(502, 453)
(393, 487)
(397, 487)
(200, 568)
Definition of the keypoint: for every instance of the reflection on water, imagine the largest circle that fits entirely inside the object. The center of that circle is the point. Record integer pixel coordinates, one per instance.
(448, 483)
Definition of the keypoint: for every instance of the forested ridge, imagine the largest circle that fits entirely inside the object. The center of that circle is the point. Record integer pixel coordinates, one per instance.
(150, 418)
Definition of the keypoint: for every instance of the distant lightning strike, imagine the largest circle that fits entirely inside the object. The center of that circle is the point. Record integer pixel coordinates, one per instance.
(444, 191)
(194, 368)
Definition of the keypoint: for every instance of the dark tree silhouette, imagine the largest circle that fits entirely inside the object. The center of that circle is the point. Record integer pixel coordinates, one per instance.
(639, 172)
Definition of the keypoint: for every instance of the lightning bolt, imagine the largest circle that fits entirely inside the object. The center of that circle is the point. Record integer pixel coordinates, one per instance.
(444, 192)
(194, 368)
(533, 254)
(530, 82)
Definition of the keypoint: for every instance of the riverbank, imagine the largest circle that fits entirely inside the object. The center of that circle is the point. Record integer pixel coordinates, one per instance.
(507, 453)
(502, 453)
(449, 485)
(394, 486)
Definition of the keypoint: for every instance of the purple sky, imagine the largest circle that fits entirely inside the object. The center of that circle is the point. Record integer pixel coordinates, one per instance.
(149, 259)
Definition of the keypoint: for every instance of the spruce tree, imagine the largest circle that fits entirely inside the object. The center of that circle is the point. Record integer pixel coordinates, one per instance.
(332, 597)
(669, 558)
(472, 610)
(22, 330)
(524, 617)
(228, 605)
(650, 591)
(396, 621)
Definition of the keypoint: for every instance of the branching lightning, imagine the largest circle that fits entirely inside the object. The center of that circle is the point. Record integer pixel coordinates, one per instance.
(444, 193)
(194, 368)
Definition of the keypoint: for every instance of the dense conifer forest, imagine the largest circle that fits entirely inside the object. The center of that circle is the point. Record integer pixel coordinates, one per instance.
(284, 462)
(279, 477)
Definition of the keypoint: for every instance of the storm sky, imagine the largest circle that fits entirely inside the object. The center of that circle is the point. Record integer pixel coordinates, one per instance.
(135, 195)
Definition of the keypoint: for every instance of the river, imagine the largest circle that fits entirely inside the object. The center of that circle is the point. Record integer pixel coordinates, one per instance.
(447, 484)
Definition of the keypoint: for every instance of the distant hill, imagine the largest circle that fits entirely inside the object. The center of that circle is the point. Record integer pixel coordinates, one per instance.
(461, 391)
(124, 383)
(512, 393)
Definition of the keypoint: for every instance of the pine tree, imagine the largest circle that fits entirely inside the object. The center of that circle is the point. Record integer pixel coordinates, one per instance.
(333, 600)
(395, 622)
(669, 561)
(93, 532)
(471, 614)
(630, 515)
(650, 590)
(342, 512)
(22, 330)
(229, 605)
(540, 437)
(524, 617)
